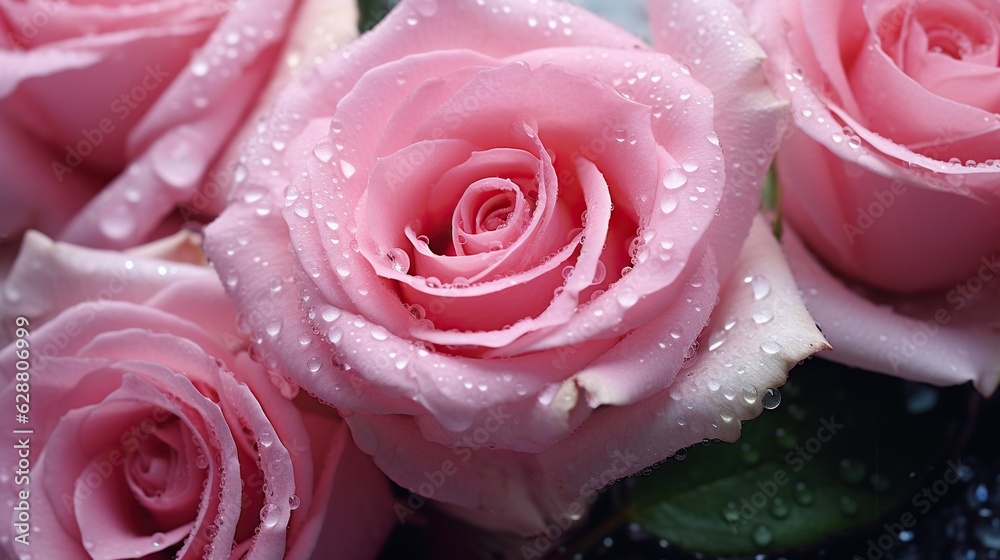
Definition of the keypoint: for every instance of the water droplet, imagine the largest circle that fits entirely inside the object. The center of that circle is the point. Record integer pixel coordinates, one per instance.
(159, 539)
(251, 196)
(770, 347)
(750, 394)
(347, 168)
(921, 399)
(335, 334)
(379, 333)
(269, 515)
(803, 495)
(690, 166)
(853, 471)
(324, 150)
(343, 269)
(177, 160)
(760, 286)
(762, 536)
(879, 482)
(294, 502)
(762, 316)
(668, 205)
(731, 513)
(779, 509)
(785, 438)
(771, 399)
(266, 439)
(627, 297)
(119, 224)
(199, 67)
(313, 364)
(674, 179)
(716, 340)
(600, 272)
(681, 455)
(727, 414)
(848, 505)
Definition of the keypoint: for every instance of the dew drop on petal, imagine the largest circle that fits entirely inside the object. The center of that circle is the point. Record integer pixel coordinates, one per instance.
(674, 179)
(760, 286)
(379, 333)
(770, 346)
(269, 515)
(771, 399)
(399, 260)
(266, 439)
(762, 316)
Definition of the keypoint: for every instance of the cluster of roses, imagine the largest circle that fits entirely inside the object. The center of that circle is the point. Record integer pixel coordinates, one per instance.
(508, 251)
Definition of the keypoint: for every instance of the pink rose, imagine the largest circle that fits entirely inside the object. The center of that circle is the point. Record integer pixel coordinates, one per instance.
(891, 178)
(151, 429)
(111, 116)
(495, 235)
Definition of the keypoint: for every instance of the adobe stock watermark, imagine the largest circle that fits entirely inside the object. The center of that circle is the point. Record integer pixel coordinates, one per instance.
(435, 480)
(921, 502)
(959, 297)
(119, 110)
(560, 523)
(740, 512)
(26, 27)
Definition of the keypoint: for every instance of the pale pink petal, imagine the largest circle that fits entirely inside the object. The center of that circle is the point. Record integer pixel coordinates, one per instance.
(934, 343)
(49, 277)
(730, 63)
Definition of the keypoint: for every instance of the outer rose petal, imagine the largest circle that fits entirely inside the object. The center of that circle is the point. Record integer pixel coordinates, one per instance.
(53, 277)
(935, 342)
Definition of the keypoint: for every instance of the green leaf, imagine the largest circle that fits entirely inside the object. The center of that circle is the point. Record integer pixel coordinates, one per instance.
(371, 12)
(837, 454)
(770, 199)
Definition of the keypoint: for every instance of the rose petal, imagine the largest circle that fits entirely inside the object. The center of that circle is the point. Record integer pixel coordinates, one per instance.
(855, 219)
(49, 277)
(942, 347)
